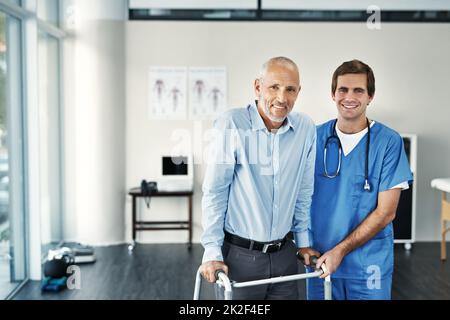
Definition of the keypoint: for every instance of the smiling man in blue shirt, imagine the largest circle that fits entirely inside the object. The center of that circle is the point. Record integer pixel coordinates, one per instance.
(361, 169)
(258, 187)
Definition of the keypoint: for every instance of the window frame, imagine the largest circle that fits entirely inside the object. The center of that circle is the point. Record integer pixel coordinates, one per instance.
(30, 25)
(311, 12)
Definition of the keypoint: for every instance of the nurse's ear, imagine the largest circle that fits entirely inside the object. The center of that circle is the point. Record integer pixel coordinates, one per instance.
(370, 99)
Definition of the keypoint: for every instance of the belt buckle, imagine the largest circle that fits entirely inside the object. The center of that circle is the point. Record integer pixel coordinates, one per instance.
(268, 245)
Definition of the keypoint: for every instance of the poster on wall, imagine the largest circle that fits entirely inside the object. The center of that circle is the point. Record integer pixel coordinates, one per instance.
(167, 93)
(207, 92)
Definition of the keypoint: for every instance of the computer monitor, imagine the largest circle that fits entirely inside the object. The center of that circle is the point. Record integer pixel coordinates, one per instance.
(177, 173)
(177, 167)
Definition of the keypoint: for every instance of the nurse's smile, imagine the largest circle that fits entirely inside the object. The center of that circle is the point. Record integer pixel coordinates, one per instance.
(349, 106)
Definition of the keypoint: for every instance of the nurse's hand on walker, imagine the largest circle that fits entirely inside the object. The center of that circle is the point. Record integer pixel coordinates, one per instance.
(332, 260)
(306, 253)
(208, 269)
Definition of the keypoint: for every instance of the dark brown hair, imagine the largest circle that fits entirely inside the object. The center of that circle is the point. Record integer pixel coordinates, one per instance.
(354, 66)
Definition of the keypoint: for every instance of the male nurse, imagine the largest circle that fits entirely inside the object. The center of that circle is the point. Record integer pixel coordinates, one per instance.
(360, 170)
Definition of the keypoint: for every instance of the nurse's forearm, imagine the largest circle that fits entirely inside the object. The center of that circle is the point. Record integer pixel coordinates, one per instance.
(374, 223)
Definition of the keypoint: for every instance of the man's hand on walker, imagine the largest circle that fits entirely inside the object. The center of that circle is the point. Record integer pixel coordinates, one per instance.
(306, 253)
(209, 268)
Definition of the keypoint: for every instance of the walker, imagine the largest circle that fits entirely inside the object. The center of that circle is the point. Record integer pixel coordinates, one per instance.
(223, 281)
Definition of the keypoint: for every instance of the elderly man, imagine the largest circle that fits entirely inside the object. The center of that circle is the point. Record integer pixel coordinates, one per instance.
(258, 187)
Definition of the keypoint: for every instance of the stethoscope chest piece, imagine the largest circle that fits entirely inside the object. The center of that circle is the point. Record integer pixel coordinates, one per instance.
(366, 185)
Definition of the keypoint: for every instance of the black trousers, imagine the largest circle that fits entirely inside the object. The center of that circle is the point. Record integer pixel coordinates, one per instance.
(246, 265)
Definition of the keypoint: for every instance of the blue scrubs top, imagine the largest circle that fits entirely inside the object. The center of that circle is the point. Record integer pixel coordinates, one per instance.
(340, 204)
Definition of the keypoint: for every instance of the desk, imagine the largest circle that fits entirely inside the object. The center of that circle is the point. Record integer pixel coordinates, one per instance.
(138, 225)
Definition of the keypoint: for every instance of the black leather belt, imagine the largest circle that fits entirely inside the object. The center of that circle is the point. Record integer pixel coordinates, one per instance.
(264, 247)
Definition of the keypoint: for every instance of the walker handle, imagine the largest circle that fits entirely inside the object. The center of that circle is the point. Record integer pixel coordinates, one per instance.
(312, 260)
(217, 272)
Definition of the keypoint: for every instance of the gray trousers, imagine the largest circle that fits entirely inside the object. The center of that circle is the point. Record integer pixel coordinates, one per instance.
(246, 265)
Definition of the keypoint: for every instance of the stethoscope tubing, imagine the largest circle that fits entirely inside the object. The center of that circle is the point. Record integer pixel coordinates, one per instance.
(366, 163)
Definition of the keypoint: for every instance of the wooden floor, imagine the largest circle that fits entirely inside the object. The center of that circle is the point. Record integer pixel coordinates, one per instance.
(167, 271)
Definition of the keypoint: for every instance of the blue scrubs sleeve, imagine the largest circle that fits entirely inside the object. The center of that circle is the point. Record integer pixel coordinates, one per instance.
(395, 169)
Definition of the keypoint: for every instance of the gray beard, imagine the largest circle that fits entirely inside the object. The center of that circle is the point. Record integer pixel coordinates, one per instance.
(267, 111)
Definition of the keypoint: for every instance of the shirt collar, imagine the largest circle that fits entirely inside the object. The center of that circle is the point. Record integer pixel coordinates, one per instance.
(258, 123)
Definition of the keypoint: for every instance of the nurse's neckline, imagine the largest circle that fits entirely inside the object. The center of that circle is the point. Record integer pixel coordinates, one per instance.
(350, 129)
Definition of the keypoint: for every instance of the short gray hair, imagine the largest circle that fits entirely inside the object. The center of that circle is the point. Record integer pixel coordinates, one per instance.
(283, 61)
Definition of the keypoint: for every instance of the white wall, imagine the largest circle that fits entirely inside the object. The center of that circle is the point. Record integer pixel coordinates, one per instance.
(49, 136)
(411, 64)
(94, 124)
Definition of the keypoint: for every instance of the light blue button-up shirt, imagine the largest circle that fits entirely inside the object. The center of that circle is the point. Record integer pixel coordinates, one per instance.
(258, 184)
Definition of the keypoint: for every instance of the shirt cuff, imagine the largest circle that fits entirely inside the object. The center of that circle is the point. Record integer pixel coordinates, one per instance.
(302, 239)
(212, 254)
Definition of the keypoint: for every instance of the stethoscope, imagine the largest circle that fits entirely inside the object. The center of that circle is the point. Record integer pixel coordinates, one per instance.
(335, 137)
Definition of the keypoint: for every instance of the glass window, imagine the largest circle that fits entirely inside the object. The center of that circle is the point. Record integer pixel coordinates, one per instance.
(193, 10)
(49, 135)
(287, 10)
(12, 212)
(193, 4)
(48, 10)
(18, 2)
